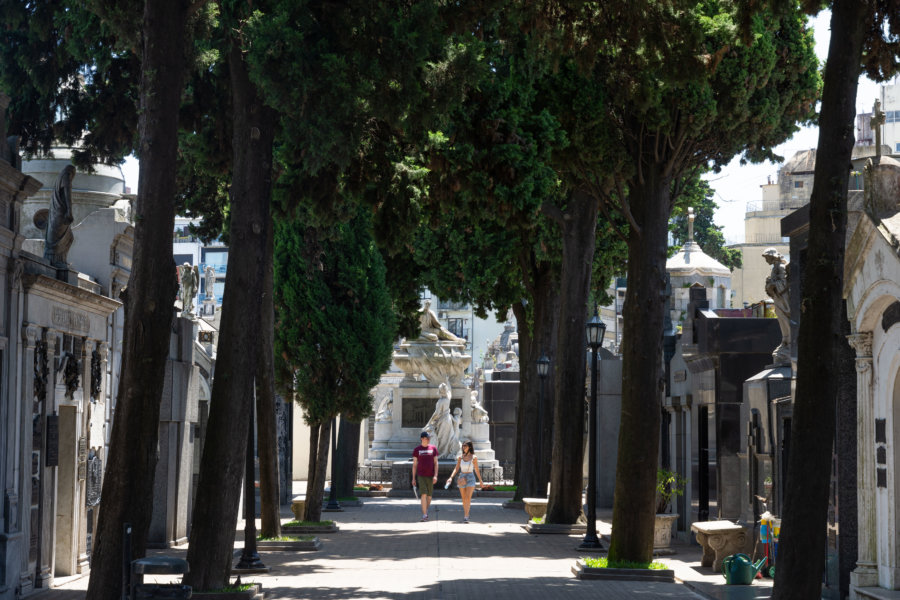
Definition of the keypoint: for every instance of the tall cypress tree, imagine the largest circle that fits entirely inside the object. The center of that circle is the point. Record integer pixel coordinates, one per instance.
(335, 327)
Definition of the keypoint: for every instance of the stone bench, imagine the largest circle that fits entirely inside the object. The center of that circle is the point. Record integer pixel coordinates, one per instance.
(298, 507)
(719, 539)
(535, 507)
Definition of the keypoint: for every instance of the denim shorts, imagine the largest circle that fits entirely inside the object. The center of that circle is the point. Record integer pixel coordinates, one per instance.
(469, 480)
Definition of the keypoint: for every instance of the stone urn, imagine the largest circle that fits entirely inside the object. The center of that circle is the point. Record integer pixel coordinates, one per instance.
(662, 530)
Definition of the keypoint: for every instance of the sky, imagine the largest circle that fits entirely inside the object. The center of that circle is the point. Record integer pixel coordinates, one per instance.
(735, 185)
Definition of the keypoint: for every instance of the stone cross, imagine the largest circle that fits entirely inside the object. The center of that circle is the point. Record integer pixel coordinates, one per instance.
(875, 123)
(690, 224)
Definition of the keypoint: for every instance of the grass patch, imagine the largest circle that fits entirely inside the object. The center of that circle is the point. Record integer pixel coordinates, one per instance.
(308, 524)
(601, 562)
(360, 488)
(228, 589)
(286, 538)
(504, 488)
(538, 520)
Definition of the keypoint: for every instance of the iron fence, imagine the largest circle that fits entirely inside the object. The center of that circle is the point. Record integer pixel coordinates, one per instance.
(368, 475)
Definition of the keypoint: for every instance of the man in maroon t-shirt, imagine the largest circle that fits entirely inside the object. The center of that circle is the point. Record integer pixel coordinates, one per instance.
(424, 471)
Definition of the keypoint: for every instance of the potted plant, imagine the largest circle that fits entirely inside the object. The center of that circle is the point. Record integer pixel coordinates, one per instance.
(668, 485)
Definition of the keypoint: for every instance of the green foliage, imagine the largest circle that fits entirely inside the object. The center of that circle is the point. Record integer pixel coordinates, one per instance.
(668, 485)
(602, 562)
(694, 192)
(71, 79)
(308, 524)
(334, 326)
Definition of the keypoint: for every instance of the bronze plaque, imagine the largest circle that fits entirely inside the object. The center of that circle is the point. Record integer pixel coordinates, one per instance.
(417, 411)
(52, 441)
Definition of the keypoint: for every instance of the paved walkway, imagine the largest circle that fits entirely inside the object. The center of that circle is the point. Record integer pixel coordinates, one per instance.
(382, 551)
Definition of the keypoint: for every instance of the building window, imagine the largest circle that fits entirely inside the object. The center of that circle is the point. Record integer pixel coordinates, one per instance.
(798, 184)
(898, 148)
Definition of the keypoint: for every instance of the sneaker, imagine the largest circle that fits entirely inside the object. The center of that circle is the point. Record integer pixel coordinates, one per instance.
(424, 518)
(465, 519)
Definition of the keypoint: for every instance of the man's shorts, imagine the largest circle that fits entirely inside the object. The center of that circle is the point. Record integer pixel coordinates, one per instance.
(426, 485)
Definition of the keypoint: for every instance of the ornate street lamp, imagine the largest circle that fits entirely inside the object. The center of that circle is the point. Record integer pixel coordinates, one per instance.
(543, 369)
(594, 330)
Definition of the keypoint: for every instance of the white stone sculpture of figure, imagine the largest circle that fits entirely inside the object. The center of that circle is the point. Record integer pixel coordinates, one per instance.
(431, 327)
(383, 415)
(209, 274)
(190, 279)
(444, 432)
(479, 415)
(778, 291)
(457, 425)
(57, 228)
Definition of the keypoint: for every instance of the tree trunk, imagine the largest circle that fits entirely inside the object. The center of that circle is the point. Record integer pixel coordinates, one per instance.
(801, 556)
(131, 465)
(634, 503)
(347, 457)
(218, 489)
(316, 492)
(311, 471)
(266, 425)
(534, 421)
(579, 226)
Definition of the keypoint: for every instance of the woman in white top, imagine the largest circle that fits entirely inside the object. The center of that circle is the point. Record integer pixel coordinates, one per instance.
(467, 465)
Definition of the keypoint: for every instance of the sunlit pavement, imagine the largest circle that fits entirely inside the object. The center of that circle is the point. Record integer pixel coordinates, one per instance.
(383, 551)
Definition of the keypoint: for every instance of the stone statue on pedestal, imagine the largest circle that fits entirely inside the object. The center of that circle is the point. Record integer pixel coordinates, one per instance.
(777, 289)
(384, 414)
(442, 427)
(479, 414)
(209, 273)
(190, 279)
(57, 221)
(432, 330)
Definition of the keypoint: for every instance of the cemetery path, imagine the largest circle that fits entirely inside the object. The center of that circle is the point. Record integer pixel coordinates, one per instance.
(383, 551)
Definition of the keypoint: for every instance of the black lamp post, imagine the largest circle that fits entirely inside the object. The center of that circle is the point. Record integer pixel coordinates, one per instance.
(543, 369)
(594, 330)
(333, 504)
(250, 560)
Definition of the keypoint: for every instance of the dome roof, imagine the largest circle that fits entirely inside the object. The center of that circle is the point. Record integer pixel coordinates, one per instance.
(691, 259)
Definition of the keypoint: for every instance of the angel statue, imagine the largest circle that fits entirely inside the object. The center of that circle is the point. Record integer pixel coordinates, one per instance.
(190, 281)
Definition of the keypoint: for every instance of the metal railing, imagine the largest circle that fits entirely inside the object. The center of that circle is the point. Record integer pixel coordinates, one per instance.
(766, 205)
(368, 475)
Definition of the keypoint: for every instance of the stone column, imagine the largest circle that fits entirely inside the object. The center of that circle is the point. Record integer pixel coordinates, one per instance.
(866, 572)
(86, 408)
(52, 338)
(34, 457)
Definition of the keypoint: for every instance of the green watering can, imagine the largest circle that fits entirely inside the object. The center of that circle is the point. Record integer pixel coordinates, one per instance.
(738, 569)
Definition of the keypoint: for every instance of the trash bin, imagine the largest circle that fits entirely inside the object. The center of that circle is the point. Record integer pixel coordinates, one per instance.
(158, 565)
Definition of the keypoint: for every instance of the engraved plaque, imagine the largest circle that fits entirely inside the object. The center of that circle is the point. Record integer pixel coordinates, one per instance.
(94, 480)
(52, 441)
(880, 435)
(881, 477)
(35, 534)
(881, 455)
(417, 411)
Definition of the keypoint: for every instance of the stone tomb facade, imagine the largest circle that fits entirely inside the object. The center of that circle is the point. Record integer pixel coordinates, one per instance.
(872, 293)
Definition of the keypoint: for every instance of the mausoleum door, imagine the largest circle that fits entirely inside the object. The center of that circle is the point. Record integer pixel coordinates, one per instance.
(66, 499)
(882, 455)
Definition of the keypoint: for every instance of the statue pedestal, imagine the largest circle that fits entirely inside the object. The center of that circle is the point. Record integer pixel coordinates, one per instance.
(397, 431)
